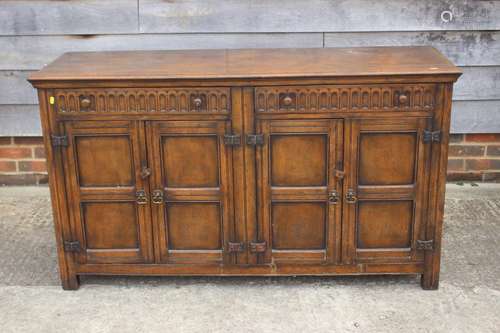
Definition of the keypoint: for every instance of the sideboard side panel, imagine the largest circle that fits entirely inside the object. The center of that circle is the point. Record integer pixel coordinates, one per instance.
(430, 278)
(50, 126)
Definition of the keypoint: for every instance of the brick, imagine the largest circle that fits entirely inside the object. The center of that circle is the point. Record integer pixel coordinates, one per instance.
(482, 164)
(32, 166)
(14, 152)
(7, 166)
(491, 177)
(28, 140)
(464, 176)
(23, 179)
(5, 140)
(459, 150)
(456, 165)
(40, 152)
(492, 137)
(493, 151)
(456, 138)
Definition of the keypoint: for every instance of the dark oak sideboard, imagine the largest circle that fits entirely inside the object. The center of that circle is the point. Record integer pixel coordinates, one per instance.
(248, 162)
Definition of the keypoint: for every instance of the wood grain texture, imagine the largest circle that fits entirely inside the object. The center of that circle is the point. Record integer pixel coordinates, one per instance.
(475, 116)
(476, 83)
(20, 120)
(334, 192)
(384, 224)
(315, 15)
(246, 63)
(15, 89)
(68, 17)
(467, 117)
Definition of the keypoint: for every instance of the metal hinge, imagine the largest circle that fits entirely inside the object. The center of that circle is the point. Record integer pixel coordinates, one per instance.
(426, 245)
(258, 247)
(430, 136)
(254, 139)
(71, 246)
(235, 247)
(59, 140)
(232, 139)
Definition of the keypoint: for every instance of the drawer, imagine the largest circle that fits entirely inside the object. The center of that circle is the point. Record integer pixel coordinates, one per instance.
(136, 100)
(331, 98)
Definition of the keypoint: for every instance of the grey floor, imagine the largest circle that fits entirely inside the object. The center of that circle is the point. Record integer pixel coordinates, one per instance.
(468, 300)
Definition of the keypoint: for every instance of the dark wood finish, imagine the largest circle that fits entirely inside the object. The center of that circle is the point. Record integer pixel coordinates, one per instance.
(192, 168)
(296, 175)
(247, 63)
(248, 162)
(103, 175)
(388, 173)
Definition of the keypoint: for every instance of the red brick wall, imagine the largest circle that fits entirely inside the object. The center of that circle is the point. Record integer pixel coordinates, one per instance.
(22, 161)
(472, 157)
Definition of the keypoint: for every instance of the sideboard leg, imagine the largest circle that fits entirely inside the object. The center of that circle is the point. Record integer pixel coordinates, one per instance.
(430, 280)
(72, 282)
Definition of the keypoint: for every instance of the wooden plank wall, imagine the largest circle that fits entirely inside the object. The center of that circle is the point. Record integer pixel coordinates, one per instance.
(33, 33)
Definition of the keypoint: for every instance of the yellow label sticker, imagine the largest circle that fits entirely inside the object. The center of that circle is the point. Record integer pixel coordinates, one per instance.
(51, 100)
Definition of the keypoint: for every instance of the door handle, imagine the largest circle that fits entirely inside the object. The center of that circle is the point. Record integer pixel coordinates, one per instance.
(141, 197)
(350, 196)
(157, 197)
(333, 197)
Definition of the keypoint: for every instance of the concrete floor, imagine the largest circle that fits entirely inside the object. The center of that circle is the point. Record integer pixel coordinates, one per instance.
(468, 300)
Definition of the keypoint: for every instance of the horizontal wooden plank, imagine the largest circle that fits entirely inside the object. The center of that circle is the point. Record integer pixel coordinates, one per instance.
(20, 120)
(477, 83)
(467, 117)
(475, 117)
(32, 52)
(188, 16)
(15, 89)
(68, 17)
(464, 48)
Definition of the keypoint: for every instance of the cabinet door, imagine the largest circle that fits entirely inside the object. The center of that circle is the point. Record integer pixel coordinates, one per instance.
(298, 190)
(102, 167)
(192, 190)
(384, 192)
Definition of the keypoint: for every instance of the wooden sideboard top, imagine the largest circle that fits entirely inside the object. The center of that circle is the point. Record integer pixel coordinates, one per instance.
(248, 63)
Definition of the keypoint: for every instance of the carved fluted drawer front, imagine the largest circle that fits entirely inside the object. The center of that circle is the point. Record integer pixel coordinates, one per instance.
(325, 98)
(134, 100)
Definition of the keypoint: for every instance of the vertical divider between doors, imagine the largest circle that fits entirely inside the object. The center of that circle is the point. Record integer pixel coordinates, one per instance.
(151, 150)
(349, 210)
(251, 185)
(338, 164)
(239, 176)
(140, 128)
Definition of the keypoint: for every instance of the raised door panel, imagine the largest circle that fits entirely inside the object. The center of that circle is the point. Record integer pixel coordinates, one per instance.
(102, 167)
(192, 180)
(298, 210)
(385, 193)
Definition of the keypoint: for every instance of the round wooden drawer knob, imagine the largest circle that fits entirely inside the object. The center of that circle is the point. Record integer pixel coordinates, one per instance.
(197, 102)
(287, 101)
(403, 99)
(85, 103)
